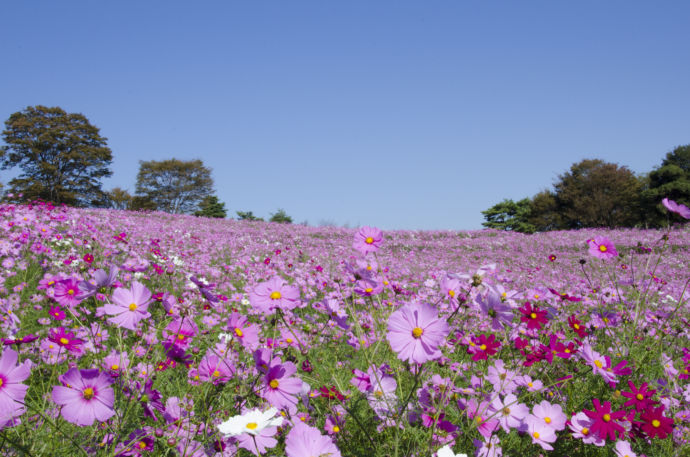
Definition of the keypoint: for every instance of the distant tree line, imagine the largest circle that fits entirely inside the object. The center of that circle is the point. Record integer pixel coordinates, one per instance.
(63, 157)
(595, 193)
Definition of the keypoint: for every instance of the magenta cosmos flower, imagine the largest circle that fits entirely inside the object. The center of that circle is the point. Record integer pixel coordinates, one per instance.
(368, 239)
(67, 293)
(602, 248)
(415, 333)
(129, 306)
(677, 208)
(272, 294)
(304, 440)
(85, 397)
(12, 392)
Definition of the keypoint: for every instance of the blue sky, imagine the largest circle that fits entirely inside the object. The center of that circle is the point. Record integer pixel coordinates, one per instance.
(396, 114)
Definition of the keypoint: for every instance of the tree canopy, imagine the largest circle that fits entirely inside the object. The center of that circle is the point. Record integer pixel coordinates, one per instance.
(281, 217)
(509, 215)
(670, 180)
(62, 156)
(174, 186)
(210, 206)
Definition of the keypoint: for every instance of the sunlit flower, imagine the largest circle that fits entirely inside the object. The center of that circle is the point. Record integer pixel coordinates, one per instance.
(415, 333)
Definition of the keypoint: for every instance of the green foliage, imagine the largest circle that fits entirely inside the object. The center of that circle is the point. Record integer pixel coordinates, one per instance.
(509, 215)
(280, 217)
(595, 193)
(62, 156)
(210, 206)
(141, 203)
(544, 215)
(670, 180)
(174, 186)
(247, 216)
(118, 198)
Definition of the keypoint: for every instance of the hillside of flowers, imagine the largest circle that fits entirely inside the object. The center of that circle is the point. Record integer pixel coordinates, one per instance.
(137, 334)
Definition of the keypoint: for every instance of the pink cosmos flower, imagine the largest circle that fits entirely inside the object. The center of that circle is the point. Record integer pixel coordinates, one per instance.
(368, 239)
(85, 397)
(540, 433)
(510, 413)
(551, 415)
(623, 449)
(215, 369)
(281, 387)
(129, 306)
(415, 333)
(67, 293)
(65, 339)
(12, 392)
(677, 208)
(272, 294)
(304, 440)
(581, 427)
(602, 248)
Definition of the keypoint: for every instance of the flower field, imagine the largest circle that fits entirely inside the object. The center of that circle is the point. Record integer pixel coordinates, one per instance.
(129, 334)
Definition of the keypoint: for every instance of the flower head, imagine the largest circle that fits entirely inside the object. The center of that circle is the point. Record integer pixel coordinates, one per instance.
(602, 248)
(12, 391)
(85, 397)
(251, 422)
(415, 333)
(129, 306)
(677, 208)
(604, 420)
(368, 239)
(272, 294)
(655, 424)
(304, 440)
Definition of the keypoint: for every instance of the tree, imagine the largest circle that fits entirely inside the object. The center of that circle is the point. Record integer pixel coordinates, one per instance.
(119, 198)
(543, 213)
(509, 215)
(210, 206)
(595, 193)
(670, 180)
(280, 217)
(174, 186)
(247, 216)
(62, 156)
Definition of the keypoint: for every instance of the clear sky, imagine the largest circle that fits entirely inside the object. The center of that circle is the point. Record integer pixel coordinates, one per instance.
(396, 114)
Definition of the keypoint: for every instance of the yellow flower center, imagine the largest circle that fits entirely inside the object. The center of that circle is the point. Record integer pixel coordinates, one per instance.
(64, 341)
(530, 384)
(576, 326)
(252, 425)
(598, 363)
(238, 332)
(547, 419)
(180, 336)
(289, 340)
(506, 411)
(417, 332)
(369, 240)
(451, 293)
(216, 373)
(275, 295)
(114, 366)
(369, 290)
(132, 306)
(536, 435)
(336, 429)
(142, 445)
(602, 248)
(483, 347)
(70, 292)
(567, 351)
(0, 382)
(607, 417)
(88, 393)
(656, 423)
(274, 384)
(639, 397)
(585, 431)
(533, 315)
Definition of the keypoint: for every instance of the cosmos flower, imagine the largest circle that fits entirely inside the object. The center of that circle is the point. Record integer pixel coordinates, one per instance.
(12, 391)
(272, 294)
(677, 208)
(304, 440)
(415, 333)
(368, 239)
(85, 397)
(534, 316)
(604, 420)
(655, 424)
(251, 422)
(129, 306)
(602, 248)
(280, 387)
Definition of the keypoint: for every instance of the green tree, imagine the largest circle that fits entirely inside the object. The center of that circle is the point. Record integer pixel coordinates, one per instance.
(210, 206)
(509, 215)
(174, 186)
(595, 193)
(280, 217)
(543, 212)
(247, 216)
(62, 156)
(670, 180)
(119, 198)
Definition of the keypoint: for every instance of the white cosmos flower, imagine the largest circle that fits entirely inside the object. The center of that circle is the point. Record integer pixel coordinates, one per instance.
(446, 451)
(251, 422)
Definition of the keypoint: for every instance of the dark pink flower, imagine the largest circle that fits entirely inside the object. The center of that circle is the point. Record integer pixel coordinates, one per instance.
(534, 316)
(604, 420)
(602, 248)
